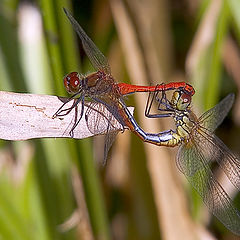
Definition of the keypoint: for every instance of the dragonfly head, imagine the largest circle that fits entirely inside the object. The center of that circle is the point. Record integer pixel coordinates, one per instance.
(181, 100)
(72, 82)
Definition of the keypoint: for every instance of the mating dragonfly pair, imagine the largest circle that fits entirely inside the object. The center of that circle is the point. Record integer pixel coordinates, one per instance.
(199, 147)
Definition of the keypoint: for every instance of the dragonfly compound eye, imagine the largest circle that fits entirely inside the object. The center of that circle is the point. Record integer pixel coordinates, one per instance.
(72, 82)
(184, 101)
(186, 98)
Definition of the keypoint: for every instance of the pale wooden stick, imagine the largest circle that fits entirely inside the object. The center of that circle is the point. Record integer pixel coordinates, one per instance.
(26, 116)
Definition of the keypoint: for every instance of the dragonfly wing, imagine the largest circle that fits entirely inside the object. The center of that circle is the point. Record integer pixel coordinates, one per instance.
(98, 60)
(212, 193)
(214, 149)
(208, 150)
(214, 116)
(98, 119)
(101, 121)
(109, 139)
(184, 163)
(111, 134)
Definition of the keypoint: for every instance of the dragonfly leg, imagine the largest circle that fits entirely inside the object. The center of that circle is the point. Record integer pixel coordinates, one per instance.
(164, 101)
(59, 112)
(64, 112)
(71, 133)
(149, 103)
(76, 120)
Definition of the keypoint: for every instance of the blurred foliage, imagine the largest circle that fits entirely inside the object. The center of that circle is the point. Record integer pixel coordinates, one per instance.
(36, 193)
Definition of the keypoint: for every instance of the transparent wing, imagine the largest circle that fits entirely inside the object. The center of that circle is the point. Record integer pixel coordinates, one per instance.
(214, 116)
(109, 140)
(203, 180)
(213, 149)
(98, 60)
(101, 121)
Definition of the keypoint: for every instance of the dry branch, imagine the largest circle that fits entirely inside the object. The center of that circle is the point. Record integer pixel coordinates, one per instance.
(26, 116)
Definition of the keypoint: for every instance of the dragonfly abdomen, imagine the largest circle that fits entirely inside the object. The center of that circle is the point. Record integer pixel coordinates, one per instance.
(168, 138)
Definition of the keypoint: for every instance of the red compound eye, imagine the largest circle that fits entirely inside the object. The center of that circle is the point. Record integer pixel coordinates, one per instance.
(72, 82)
(186, 98)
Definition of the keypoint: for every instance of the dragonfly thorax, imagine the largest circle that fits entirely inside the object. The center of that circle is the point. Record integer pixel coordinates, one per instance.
(184, 118)
(184, 124)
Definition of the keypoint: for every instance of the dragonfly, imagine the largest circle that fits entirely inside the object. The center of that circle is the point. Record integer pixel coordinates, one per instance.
(199, 147)
(103, 91)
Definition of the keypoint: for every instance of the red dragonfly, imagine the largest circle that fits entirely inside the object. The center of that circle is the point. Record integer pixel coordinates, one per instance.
(101, 88)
